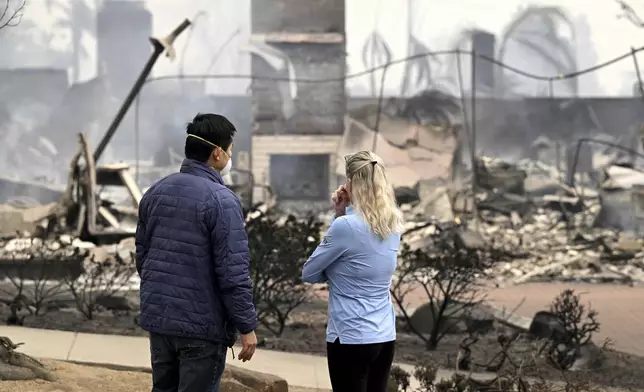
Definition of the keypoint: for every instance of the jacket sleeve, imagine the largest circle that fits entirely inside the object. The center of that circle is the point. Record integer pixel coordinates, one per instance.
(231, 258)
(334, 244)
(139, 239)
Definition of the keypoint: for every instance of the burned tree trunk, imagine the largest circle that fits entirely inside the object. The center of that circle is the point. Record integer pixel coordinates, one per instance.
(15, 366)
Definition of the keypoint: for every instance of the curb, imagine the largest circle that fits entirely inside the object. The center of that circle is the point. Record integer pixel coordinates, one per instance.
(500, 314)
(510, 319)
(109, 366)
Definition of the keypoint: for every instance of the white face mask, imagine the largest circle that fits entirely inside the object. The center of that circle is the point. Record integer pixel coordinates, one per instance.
(229, 164)
(227, 168)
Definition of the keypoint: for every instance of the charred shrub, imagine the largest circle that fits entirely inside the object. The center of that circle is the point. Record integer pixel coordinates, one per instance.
(572, 329)
(578, 320)
(279, 247)
(513, 366)
(426, 375)
(101, 281)
(36, 271)
(399, 380)
(512, 380)
(448, 273)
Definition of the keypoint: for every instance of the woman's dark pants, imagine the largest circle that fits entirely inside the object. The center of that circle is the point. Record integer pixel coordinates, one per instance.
(360, 367)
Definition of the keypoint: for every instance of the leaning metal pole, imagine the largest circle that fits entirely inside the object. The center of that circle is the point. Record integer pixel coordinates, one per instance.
(637, 73)
(552, 111)
(475, 176)
(639, 83)
(159, 46)
(381, 97)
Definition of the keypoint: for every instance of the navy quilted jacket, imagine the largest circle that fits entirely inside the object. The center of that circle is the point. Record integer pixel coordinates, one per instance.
(192, 257)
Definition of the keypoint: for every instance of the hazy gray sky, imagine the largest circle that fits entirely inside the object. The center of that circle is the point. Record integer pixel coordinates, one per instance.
(437, 23)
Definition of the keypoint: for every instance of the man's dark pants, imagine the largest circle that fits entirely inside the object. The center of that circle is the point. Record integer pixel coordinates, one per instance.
(186, 365)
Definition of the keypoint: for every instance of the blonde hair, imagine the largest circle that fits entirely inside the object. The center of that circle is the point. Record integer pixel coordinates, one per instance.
(371, 193)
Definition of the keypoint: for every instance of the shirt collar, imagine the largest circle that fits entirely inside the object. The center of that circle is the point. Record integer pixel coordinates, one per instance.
(350, 210)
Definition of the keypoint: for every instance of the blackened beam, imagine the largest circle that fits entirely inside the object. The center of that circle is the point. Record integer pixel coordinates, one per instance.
(159, 46)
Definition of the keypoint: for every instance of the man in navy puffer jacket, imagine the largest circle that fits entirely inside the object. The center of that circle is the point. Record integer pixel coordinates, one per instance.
(192, 257)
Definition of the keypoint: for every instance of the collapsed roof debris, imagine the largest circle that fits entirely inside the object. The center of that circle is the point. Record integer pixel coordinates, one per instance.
(552, 231)
(61, 257)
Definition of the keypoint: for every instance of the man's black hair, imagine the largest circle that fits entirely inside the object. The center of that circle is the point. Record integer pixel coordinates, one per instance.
(212, 127)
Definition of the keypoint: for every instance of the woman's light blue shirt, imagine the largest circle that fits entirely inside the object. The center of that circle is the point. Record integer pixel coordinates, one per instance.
(358, 267)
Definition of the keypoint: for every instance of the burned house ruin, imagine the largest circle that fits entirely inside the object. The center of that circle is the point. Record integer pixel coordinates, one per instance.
(297, 125)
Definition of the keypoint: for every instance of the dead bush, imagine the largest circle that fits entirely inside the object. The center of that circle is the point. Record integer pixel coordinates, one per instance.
(399, 380)
(575, 325)
(465, 382)
(578, 320)
(36, 272)
(101, 279)
(518, 363)
(510, 378)
(448, 274)
(279, 247)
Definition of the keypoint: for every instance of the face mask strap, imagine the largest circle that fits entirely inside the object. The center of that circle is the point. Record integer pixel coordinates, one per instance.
(211, 143)
(203, 140)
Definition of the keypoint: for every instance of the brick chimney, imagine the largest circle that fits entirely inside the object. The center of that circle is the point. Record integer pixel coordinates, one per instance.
(295, 140)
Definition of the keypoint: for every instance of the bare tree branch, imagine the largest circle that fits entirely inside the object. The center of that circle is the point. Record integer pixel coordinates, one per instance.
(11, 16)
(448, 274)
(628, 13)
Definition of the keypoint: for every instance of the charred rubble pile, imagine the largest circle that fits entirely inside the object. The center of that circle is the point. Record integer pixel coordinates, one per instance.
(86, 227)
(62, 258)
(549, 230)
(41, 255)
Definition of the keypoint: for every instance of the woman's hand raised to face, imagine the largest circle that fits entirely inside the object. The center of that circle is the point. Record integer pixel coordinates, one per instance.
(340, 199)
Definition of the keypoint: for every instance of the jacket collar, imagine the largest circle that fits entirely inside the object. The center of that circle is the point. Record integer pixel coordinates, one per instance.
(350, 210)
(199, 169)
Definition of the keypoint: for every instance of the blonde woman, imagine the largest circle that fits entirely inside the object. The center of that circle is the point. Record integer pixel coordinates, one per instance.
(357, 257)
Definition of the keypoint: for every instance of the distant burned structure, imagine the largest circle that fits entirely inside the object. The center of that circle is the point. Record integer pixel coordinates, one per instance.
(23, 118)
(509, 128)
(122, 32)
(297, 125)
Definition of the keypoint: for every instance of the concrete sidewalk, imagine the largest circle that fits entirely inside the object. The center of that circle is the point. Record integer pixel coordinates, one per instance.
(309, 371)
